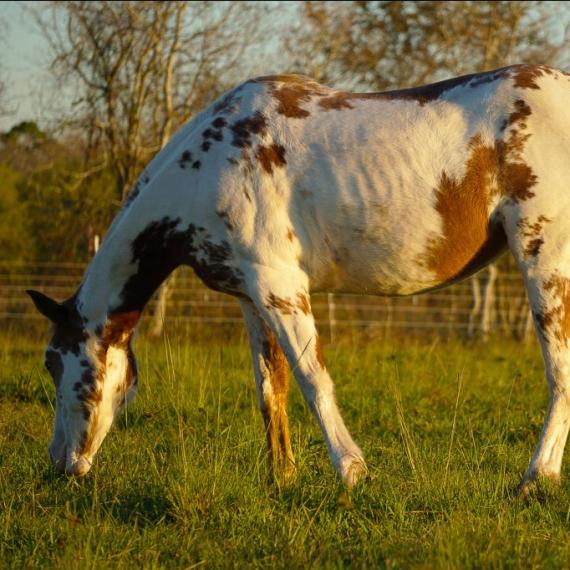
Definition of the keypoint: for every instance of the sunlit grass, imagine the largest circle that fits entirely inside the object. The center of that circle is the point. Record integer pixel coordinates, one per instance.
(181, 481)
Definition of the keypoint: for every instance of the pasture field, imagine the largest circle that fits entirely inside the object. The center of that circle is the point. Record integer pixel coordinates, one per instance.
(181, 481)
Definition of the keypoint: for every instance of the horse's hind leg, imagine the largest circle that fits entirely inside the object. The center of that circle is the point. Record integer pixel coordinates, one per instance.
(272, 380)
(541, 245)
(281, 298)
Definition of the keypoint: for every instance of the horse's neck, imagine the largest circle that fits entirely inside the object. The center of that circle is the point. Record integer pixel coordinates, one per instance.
(128, 268)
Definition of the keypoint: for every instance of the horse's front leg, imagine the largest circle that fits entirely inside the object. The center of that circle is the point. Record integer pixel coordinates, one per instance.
(272, 380)
(282, 301)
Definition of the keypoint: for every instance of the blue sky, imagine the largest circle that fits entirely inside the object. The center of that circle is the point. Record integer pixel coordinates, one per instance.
(23, 63)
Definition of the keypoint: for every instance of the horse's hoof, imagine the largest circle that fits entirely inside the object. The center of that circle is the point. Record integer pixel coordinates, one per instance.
(354, 471)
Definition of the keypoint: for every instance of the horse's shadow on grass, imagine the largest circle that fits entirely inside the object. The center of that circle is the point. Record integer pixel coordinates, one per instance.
(147, 505)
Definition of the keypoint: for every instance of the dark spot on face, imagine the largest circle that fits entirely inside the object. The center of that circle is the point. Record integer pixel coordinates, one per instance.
(69, 333)
(77, 386)
(219, 123)
(245, 129)
(271, 156)
(233, 161)
(88, 378)
(206, 146)
(196, 165)
(185, 159)
(54, 365)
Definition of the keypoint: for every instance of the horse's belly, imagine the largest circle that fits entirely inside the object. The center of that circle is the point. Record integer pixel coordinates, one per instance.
(398, 262)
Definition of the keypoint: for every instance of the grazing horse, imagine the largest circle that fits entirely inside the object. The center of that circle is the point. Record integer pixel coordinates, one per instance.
(283, 187)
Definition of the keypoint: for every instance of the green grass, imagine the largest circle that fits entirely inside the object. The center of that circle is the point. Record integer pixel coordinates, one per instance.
(447, 430)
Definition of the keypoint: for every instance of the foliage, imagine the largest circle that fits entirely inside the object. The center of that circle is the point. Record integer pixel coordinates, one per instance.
(387, 44)
(15, 241)
(181, 480)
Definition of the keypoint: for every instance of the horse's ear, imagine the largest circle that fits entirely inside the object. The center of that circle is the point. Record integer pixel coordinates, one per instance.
(51, 309)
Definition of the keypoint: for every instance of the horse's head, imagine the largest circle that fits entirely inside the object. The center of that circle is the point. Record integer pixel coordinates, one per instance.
(94, 372)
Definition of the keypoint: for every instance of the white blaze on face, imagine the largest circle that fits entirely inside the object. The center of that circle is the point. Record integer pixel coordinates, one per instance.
(89, 393)
(112, 387)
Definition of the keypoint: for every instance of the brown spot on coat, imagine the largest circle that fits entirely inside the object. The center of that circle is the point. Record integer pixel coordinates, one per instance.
(213, 134)
(270, 156)
(284, 306)
(219, 123)
(244, 129)
(518, 116)
(290, 234)
(462, 205)
(291, 91)
(337, 102)
(533, 233)
(468, 240)
(554, 322)
(533, 247)
(274, 406)
(304, 303)
(185, 159)
(525, 76)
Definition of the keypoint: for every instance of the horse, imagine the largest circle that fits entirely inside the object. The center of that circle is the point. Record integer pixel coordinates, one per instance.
(283, 187)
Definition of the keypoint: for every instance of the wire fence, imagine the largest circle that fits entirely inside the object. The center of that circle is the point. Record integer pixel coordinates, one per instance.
(491, 302)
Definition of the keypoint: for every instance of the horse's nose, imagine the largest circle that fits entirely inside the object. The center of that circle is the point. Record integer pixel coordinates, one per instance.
(79, 468)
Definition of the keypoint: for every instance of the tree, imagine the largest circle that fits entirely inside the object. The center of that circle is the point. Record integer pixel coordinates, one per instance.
(383, 45)
(51, 209)
(141, 69)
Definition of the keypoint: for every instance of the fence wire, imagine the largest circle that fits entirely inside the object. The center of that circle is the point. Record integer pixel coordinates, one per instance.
(490, 302)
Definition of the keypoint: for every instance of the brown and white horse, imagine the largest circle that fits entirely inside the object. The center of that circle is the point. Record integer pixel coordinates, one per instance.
(283, 187)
